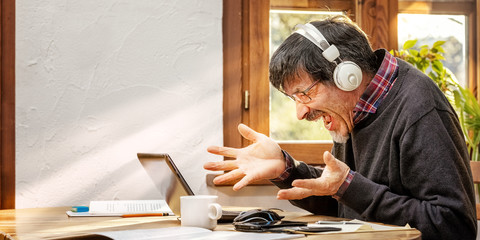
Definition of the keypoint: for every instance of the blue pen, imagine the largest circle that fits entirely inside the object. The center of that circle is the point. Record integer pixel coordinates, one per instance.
(79, 209)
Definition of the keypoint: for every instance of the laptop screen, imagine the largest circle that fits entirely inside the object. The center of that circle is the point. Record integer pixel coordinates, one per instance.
(178, 186)
(154, 164)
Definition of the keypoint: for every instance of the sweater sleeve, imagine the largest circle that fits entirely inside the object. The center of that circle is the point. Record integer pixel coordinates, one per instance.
(435, 190)
(323, 205)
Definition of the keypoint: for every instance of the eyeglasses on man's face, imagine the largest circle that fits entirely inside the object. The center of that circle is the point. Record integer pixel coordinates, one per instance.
(302, 97)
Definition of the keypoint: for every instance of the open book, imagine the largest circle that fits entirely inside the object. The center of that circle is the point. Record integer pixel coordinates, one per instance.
(125, 208)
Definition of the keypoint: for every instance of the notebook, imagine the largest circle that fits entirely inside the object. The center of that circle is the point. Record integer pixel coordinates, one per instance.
(180, 187)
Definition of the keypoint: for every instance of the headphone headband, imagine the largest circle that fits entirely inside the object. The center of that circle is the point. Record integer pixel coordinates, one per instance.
(330, 52)
(347, 75)
(311, 32)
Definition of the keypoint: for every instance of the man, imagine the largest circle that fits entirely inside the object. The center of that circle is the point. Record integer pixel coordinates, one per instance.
(399, 155)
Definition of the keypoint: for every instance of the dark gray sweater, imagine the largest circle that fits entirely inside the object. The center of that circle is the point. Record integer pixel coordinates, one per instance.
(411, 164)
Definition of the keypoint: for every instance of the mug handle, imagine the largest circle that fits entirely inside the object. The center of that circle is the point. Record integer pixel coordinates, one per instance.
(214, 211)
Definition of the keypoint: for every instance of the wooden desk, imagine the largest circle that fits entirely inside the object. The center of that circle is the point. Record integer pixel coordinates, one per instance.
(36, 223)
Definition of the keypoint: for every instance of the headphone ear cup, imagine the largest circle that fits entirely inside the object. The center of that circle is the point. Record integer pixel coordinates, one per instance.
(347, 76)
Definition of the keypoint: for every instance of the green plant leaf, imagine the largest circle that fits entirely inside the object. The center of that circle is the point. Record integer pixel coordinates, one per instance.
(439, 57)
(409, 44)
(440, 49)
(424, 46)
(437, 66)
(413, 52)
(438, 43)
(423, 52)
(458, 98)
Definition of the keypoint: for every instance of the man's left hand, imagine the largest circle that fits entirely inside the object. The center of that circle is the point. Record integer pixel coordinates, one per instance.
(328, 183)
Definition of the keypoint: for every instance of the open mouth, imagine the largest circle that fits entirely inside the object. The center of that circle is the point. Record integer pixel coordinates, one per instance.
(327, 121)
(317, 115)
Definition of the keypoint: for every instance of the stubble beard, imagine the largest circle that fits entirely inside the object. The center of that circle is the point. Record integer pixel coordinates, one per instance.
(339, 138)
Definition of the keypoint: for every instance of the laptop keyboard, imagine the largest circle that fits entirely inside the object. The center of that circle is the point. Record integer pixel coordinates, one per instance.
(228, 216)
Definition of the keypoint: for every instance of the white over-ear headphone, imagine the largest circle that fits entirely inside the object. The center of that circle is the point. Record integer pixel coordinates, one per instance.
(347, 74)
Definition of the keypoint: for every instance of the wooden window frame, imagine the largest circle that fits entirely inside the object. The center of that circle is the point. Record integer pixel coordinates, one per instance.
(7, 106)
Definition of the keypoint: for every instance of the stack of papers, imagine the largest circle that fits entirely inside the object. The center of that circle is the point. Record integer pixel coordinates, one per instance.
(357, 226)
(193, 233)
(180, 233)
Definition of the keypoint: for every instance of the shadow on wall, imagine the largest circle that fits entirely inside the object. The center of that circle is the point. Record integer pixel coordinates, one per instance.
(102, 164)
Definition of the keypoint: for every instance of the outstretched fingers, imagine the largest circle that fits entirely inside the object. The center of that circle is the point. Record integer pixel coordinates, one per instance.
(247, 179)
(294, 193)
(221, 165)
(317, 186)
(337, 170)
(248, 133)
(330, 160)
(333, 175)
(261, 160)
(228, 177)
(224, 151)
(306, 183)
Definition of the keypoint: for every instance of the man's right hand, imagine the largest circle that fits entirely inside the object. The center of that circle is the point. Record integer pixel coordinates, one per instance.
(263, 159)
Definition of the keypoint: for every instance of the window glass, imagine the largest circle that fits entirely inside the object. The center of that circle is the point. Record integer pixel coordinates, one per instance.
(284, 125)
(429, 28)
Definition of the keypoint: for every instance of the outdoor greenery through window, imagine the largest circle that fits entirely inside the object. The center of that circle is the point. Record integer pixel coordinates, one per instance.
(284, 125)
(429, 28)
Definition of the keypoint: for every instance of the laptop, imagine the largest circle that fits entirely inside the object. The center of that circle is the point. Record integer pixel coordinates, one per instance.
(179, 186)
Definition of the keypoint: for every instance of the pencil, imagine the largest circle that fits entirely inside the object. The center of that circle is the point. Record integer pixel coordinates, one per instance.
(145, 215)
(337, 222)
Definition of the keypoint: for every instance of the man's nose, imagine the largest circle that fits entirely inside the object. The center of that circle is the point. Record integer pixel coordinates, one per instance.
(302, 110)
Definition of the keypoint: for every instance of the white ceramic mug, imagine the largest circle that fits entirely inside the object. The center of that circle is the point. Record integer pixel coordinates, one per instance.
(200, 211)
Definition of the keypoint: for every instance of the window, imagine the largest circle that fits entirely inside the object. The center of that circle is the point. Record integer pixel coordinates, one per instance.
(428, 28)
(450, 21)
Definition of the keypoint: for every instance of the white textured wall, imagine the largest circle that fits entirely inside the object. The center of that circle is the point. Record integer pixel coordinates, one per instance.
(99, 81)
